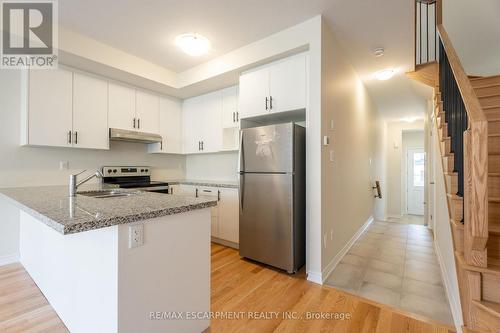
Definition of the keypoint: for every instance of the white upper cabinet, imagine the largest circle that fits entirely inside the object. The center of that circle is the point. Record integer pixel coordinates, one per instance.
(211, 123)
(202, 123)
(230, 114)
(192, 112)
(47, 116)
(277, 87)
(147, 112)
(254, 93)
(288, 85)
(90, 112)
(133, 110)
(170, 127)
(121, 107)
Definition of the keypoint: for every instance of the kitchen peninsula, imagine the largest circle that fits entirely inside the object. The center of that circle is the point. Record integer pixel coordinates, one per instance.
(106, 260)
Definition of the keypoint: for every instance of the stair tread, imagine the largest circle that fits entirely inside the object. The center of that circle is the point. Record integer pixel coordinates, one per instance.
(484, 77)
(493, 265)
(489, 107)
(488, 85)
(488, 96)
(494, 174)
(494, 229)
(494, 135)
(492, 307)
(494, 199)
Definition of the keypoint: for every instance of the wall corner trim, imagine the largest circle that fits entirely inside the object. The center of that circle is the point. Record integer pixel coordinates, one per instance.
(336, 260)
(456, 309)
(9, 259)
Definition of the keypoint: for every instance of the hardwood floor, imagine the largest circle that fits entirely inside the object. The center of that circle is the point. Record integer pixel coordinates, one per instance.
(239, 288)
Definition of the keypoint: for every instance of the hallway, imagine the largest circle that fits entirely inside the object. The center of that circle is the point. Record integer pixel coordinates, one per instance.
(395, 264)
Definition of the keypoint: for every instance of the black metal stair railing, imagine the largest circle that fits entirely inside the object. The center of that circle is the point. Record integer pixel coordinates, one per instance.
(426, 37)
(455, 114)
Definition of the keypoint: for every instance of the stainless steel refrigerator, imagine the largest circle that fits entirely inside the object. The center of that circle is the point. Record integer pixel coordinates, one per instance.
(272, 195)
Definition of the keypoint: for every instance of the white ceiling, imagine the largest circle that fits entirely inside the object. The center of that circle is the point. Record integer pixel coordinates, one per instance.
(147, 29)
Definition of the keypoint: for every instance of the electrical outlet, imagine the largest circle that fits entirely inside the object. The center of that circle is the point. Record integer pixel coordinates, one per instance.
(63, 165)
(326, 140)
(135, 235)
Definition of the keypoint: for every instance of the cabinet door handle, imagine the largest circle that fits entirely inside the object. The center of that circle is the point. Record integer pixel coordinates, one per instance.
(237, 116)
(266, 102)
(76, 137)
(134, 122)
(69, 137)
(202, 145)
(197, 193)
(161, 145)
(218, 195)
(138, 122)
(234, 117)
(207, 191)
(271, 103)
(199, 145)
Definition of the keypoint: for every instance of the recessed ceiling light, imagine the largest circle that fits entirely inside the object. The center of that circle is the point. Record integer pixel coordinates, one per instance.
(193, 44)
(385, 74)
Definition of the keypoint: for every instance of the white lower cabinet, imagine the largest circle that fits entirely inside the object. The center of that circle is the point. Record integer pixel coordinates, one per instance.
(229, 215)
(225, 216)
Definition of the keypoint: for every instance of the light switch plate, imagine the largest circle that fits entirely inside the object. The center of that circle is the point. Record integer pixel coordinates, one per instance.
(135, 235)
(326, 140)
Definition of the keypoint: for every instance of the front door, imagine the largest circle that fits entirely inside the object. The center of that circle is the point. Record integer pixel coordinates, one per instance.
(415, 181)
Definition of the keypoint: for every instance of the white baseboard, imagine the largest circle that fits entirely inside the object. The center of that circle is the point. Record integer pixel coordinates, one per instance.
(393, 216)
(456, 309)
(335, 261)
(9, 259)
(233, 245)
(314, 277)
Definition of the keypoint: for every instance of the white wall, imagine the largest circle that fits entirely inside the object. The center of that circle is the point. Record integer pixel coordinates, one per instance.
(220, 166)
(395, 164)
(474, 29)
(347, 200)
(443, 241)
(28, 166)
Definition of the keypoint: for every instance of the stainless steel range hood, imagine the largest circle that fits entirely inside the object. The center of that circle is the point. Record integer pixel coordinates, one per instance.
(116, 134)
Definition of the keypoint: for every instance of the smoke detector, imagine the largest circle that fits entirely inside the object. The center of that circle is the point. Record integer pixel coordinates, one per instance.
(378, 52)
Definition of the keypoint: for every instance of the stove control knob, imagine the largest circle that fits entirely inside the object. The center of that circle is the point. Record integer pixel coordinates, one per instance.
(115, 171)
(146, 170)
(142, 170)
(109, 170)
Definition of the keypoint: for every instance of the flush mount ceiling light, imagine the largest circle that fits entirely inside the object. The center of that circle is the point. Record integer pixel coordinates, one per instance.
(378, 52)
(385, 74)
(193, 44)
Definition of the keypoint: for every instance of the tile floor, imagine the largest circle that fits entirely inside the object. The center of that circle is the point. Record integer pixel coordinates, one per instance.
(395, 264)
(407, 219)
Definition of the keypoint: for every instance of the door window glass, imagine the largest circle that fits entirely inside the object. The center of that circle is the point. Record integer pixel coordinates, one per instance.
(418, 169)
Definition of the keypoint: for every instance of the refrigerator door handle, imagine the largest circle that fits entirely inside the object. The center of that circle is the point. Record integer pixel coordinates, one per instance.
(241, 160)
(242, 188)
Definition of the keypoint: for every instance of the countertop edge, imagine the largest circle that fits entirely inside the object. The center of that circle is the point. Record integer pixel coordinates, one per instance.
(95, 225)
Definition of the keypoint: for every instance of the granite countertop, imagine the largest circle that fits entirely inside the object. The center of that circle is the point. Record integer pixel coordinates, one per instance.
(208, 183)
(52, 206)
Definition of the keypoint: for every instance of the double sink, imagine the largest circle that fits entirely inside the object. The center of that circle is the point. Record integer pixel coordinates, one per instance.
(102, 194)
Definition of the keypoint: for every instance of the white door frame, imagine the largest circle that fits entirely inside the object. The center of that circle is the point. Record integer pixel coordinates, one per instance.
(409, 180)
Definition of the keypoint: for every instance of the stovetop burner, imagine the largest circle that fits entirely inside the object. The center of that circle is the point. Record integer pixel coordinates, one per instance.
(132, 177)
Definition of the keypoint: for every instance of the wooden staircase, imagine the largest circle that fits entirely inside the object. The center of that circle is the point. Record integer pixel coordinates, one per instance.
(478, 266)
